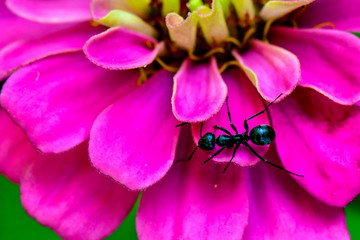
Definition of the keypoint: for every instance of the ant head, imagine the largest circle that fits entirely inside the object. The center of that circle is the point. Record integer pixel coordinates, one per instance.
(207, 142)
(262, 135)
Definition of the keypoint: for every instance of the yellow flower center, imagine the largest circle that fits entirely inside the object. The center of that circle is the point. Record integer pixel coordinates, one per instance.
(200, 29)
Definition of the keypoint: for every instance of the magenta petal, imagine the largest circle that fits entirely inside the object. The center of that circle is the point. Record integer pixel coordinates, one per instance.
(64, 192)
(199, 91)
(281, 209)
(16, 151)
(24, 51)
(55, 11)
(134, 140)
(120, 48)
(56, 100)
(320, 140)
(343, 14)
(99, 8)
(277, 70)
(5, 12)
(16, 29)
(324, 59)
(194, 202)
(244, 101)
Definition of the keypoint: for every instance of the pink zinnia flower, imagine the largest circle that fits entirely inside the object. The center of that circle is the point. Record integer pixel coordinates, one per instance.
(171, 69)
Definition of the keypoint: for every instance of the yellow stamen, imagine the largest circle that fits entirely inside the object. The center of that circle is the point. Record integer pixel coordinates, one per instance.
(193, 57)
(234, 41)
(206, 55)
(142, 77)
(325, 24)
(213, 51)
(297, 14)
(165, 66)
(149, 45)
(294, 23)
(267, 28)
(228, 64)
(247, 35)
(94, 24)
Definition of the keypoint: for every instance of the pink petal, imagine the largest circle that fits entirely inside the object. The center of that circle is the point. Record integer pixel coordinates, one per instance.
(63, 192)
(4, 11)
(134, 140)
(320, 140)
(99, 8)
(324, 59)
(56, 100)
(120, 48)
(281, 209)
(14, 28)
(244, 102)
(199, 91)
(273, 70)
(55, 11)
(343, 14)
(194, 202)
(24, 51)
(16, 153)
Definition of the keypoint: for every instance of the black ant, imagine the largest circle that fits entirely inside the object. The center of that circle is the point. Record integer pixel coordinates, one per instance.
(259, 135)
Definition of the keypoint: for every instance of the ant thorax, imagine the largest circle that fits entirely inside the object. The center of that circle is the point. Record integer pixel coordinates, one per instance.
(225, 141)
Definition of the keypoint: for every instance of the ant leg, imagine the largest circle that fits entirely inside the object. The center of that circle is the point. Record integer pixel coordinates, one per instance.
(219, 151)
(223, 129)
(246, 126)
(231, 124)
(181, 124)
(266, 161)
(181, 160)
(257, 114)
(184, 123)
(237, 146)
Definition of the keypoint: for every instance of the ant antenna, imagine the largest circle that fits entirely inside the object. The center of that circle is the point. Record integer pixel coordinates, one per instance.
(182, 160)
(228, 110)
(257, 114)
(246, 126)
(219, 151)
(237, 146)
(182, 124)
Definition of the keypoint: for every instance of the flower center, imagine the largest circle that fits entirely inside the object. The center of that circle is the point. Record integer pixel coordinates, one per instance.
(200, 30)
(242, 26)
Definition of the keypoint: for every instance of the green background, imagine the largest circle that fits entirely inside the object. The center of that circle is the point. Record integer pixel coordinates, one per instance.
(15, 224)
